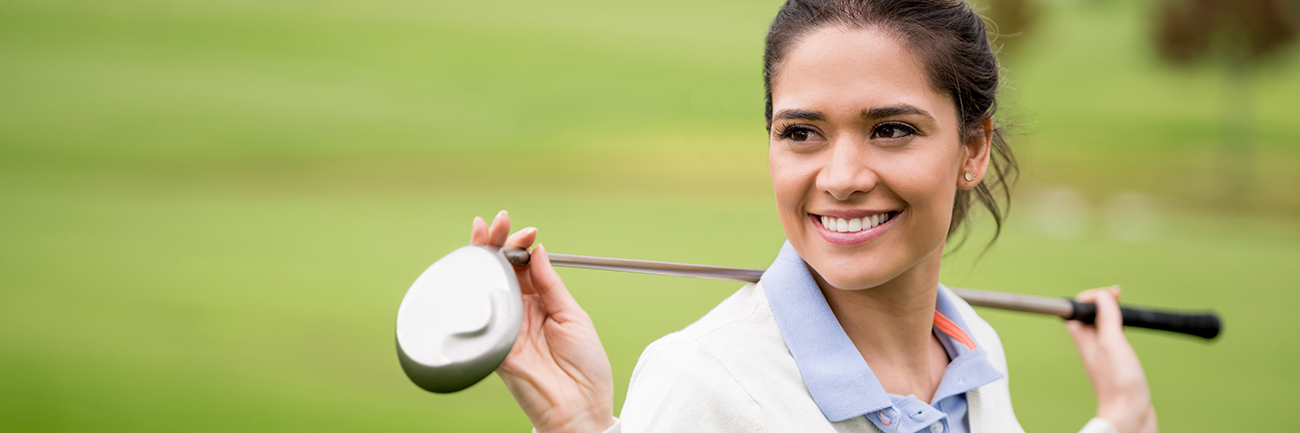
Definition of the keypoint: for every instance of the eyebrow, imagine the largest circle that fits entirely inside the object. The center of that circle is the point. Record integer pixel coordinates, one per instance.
(894, 110)
(801, 115)
(870, 113)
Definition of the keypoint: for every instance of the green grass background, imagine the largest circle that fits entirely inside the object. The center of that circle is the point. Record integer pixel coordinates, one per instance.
(209, 211)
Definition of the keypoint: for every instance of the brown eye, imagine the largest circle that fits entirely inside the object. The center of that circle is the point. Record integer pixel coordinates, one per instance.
(798, 134)
(892, 130)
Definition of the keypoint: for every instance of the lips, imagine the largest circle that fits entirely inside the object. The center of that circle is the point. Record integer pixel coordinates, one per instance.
(853, 225)
(838, 230)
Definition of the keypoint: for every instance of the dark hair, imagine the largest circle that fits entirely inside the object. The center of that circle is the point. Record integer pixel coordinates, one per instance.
(953, 43)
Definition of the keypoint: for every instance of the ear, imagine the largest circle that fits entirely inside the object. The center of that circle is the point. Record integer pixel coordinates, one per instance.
(975, 155)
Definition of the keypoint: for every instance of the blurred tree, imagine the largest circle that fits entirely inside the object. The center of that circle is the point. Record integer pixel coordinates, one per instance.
(1237, 35)
(1011, 18)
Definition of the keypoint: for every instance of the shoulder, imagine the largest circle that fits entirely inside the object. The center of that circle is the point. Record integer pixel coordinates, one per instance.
(740, 328)
(743, 312)
(708, 376)
(991, 401)
(983, 333)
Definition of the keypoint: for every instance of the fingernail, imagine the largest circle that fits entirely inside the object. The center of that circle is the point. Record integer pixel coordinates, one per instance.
(477, 219)
(523, 232)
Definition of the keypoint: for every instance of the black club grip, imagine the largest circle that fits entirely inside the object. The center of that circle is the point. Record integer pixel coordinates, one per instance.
(1205, 325)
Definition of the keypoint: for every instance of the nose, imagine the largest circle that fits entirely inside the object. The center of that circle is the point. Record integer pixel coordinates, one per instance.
(847, 170)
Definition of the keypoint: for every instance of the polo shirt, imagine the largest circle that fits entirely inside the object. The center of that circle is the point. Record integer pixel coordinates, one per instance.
(735, 370)
(841, 382)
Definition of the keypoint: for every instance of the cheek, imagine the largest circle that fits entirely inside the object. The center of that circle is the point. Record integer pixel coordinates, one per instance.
(791, 182)
(929, 193)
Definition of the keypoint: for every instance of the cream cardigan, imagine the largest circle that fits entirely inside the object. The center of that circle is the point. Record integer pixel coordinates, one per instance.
(731, 372)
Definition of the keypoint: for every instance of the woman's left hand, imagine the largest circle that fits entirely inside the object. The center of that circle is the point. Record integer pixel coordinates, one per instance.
(1123, 397)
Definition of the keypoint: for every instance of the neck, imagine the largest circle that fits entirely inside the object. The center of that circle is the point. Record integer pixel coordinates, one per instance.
(891, 326)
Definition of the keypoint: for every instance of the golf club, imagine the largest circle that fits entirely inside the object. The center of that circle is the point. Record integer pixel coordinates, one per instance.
(460, 318)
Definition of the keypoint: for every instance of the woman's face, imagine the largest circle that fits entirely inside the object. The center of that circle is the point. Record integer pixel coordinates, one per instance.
(865, 157)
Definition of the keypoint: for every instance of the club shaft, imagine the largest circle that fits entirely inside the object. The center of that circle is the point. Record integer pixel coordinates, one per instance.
(979, 298)
(1202, 324)
(657, 268)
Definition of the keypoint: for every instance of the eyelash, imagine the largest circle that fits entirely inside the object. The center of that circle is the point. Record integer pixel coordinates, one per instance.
(785, 132)
(906, 129)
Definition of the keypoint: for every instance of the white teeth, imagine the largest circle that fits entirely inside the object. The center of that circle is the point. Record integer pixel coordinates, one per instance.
(853, 225)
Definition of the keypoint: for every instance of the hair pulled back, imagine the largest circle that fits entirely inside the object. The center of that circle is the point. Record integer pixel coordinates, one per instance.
(952, 42)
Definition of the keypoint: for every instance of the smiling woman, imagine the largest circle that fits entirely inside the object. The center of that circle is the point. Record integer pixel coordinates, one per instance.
(882, 134)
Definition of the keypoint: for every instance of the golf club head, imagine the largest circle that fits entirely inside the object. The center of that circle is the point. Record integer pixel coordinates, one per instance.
(459, 319)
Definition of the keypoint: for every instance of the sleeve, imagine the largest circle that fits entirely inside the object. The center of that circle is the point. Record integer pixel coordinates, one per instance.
(1098, 425)
(679, 386)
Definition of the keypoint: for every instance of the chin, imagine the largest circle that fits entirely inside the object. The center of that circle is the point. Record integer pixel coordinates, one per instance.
(850, 273)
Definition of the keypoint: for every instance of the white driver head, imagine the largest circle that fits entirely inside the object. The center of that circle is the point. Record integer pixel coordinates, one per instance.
(459, 319)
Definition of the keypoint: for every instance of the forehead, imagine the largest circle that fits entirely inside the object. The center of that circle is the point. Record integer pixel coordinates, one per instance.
(836, 69)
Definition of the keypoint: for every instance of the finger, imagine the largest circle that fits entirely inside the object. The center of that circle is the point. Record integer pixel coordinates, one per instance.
(500, 228)
(478, 232)
(1149, 423)
(522, 239)
(1084, 336)
(1089, 295)
(525, 276)
(1077, 329)
(1086, 297)
(555, 297)
(1110, 322)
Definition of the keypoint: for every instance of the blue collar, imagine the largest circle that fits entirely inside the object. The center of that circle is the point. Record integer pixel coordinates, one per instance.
(839, 380)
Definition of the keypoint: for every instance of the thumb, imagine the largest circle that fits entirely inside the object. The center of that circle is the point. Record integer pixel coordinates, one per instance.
(1084, 336)
(550, 287)
(1110, 322)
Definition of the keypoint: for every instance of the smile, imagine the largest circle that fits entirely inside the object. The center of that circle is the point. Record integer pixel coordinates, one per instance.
(853, 231)
(853, 225)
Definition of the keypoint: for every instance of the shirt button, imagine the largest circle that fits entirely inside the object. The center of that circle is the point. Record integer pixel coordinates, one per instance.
(936, 427)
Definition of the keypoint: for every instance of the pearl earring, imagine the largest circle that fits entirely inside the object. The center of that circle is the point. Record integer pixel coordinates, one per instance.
(970, 176)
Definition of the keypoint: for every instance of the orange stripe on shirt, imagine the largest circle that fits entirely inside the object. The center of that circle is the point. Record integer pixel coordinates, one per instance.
(946, 326)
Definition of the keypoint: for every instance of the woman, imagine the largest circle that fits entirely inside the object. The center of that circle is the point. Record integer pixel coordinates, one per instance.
(882, 134)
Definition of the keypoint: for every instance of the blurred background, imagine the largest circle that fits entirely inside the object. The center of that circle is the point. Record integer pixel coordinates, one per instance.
(209, 211)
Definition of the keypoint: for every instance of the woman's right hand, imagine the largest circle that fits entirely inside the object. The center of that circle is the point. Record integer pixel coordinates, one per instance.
(1123, 397)
(557, 371)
